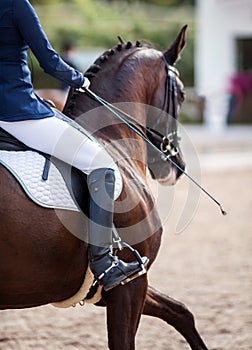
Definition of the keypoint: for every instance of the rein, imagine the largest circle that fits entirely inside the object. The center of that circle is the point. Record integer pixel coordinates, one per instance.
(168, 145)
(163, 141)
(115, 111)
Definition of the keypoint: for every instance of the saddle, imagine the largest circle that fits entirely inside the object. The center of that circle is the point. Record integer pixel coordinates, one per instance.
(74, 179)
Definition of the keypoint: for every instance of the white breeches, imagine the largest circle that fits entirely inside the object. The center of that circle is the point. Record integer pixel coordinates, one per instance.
(56, 137)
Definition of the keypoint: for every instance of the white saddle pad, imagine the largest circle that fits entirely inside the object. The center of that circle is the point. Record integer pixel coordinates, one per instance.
(28, 168)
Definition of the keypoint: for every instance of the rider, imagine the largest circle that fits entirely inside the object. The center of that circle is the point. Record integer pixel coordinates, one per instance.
(33, 122)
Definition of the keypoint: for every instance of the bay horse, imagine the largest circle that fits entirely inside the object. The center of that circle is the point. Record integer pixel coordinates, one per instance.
(41, 261)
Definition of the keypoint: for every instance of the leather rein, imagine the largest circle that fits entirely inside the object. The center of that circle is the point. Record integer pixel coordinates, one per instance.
(168, 146)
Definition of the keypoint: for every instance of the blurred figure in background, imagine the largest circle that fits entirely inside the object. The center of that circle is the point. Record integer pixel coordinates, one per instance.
(240, 86)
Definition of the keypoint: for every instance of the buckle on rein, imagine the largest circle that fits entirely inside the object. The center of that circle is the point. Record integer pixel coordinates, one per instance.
(120, 245)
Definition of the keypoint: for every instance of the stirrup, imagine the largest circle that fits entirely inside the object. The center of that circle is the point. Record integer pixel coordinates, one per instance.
(120, 245)
(138, 274)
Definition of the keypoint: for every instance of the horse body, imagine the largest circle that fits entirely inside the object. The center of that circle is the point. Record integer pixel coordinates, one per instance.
(41, 261)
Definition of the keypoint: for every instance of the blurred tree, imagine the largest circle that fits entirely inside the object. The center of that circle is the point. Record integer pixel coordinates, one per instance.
(96, 23)
(162, 2)
(154, 2)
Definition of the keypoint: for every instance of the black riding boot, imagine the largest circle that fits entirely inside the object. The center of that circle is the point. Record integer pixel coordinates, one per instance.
(108, 270)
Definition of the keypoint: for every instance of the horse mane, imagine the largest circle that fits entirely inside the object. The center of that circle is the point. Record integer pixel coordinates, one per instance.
(121, 46)
(97, 66)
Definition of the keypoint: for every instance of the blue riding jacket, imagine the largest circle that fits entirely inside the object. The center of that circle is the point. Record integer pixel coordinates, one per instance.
(20, 29)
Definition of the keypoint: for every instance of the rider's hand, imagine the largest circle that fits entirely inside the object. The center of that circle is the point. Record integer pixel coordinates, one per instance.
(86, 84)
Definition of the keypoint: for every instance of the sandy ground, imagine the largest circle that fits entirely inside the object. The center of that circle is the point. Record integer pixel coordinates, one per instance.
(208, 266)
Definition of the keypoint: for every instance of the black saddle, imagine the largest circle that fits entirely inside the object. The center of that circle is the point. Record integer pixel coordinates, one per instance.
(75, 179)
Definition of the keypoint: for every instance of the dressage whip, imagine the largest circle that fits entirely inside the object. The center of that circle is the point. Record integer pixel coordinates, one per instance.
(115, 110)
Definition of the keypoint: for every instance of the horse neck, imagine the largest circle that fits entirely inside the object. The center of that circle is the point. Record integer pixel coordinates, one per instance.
(128, 80)
(126, 76)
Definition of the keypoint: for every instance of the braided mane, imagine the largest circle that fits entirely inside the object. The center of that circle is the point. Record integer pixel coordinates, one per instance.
(96, 66)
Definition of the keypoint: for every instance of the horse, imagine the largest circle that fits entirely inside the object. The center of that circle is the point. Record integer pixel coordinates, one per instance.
(41, 261)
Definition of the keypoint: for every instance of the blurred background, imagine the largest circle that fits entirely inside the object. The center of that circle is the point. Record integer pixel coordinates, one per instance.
(216, 65)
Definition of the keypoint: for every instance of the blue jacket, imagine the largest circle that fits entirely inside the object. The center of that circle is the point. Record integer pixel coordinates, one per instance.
(20, 29)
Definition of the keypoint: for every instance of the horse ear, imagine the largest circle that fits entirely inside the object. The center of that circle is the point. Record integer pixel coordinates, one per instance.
(173, 52)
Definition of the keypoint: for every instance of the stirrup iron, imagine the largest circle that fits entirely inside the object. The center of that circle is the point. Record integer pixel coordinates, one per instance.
(120, 245)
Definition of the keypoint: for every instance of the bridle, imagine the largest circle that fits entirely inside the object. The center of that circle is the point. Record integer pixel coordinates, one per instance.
(168, 144)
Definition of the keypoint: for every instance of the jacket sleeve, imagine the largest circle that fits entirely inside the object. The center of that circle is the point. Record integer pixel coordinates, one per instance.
(30, 29)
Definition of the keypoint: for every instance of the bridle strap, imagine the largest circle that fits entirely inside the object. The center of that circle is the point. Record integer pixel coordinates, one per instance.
(168, 143)
(170, 107)
(111, 108)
